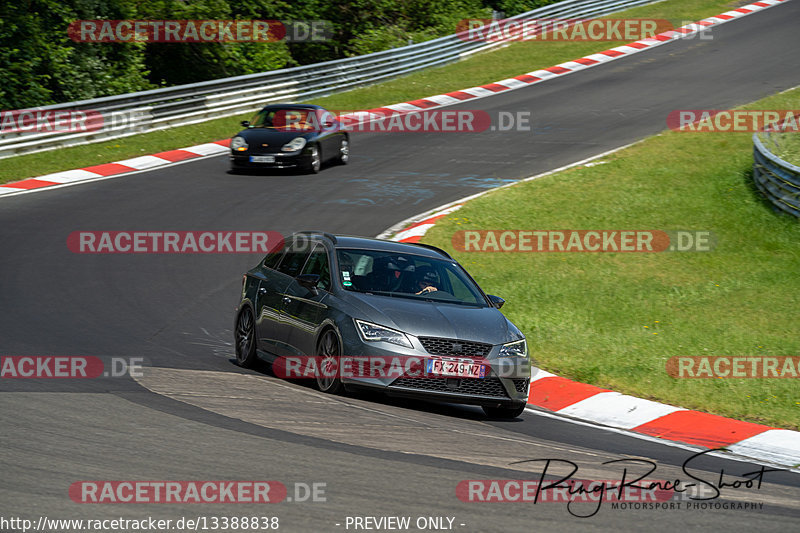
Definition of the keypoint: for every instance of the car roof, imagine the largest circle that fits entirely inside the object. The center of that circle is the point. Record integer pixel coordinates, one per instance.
(291, 106)
(353, 241)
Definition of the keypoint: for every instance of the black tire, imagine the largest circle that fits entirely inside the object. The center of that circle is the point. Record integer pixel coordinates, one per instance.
(503, 412)
(315, 160)
(328, 353)
(344, 152)
(245, 339)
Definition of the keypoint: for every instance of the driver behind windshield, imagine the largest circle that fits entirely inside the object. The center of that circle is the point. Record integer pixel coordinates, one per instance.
(426, 280)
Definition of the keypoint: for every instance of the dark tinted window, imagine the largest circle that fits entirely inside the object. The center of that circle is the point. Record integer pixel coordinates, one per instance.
(271, 261)
(285, 119)
(406, 275)
(294, 258)
(318, 264)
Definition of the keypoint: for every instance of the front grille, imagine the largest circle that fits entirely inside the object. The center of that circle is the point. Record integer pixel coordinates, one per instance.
(521, 385)
(439, 346)
(489, 387)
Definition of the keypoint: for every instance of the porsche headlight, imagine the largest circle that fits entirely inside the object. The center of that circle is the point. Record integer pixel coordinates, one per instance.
(514, 349)
(373, 332)
(294, 145)
(238, 144)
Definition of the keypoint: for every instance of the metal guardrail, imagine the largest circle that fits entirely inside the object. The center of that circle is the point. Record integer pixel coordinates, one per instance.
(134, 113)
(777, 179)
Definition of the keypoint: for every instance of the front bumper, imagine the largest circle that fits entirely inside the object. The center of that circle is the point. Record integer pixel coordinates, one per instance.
(505, 384)
(489, 391)
(241, 160)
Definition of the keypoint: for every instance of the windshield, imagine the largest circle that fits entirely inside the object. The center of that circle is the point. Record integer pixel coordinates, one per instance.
(285, 119)
(407, 276)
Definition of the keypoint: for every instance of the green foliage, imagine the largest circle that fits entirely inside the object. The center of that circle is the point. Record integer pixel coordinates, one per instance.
(41, 65)
(515, 7)
(394, 24)
(175, 64)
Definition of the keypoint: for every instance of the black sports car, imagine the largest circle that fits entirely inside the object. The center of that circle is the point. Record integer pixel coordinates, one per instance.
(290, 136)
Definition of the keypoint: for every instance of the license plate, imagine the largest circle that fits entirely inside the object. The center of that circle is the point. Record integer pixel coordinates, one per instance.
(262, 158)
(458, 369)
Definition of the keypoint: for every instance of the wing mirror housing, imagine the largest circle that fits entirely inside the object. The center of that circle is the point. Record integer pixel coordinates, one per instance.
(496, 300)
(309, 281)
(245, 124)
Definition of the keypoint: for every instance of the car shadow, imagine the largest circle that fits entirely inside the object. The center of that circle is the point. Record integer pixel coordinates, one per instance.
(462, 411)
(277, 171)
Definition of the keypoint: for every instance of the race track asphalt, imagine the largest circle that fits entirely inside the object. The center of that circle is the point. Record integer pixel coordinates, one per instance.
(195, 415)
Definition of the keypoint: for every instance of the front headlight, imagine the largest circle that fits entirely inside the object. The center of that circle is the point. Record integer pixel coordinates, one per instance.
(294, 145)
(373, 332)
(514, 349)
(238, 144)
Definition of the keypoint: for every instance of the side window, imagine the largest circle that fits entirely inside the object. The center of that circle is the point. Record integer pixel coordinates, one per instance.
(364, 265)
(460, 290)
(271, 261)
(318, 264)
(294, 258)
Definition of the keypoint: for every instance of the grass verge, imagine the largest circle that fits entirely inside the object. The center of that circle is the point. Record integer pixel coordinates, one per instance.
(613, 319)
(784, 145)
(512, 60)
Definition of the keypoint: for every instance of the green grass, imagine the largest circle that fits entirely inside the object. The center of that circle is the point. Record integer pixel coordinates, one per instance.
(613, 320)
(512, 60)
(784, 145)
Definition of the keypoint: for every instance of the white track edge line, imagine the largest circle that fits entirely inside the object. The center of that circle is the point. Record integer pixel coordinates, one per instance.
(674, 444)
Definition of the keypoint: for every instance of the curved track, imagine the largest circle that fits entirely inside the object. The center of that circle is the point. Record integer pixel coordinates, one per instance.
(194, 415)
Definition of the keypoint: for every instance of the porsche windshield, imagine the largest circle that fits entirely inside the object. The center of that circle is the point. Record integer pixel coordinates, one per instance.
(406, 275)
(286, 119)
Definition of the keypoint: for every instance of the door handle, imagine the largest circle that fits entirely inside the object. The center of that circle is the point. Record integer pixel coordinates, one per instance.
(287, 300)
(262, 290)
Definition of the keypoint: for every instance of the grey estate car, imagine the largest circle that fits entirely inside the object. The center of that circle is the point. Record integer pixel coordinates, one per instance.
(329, 297)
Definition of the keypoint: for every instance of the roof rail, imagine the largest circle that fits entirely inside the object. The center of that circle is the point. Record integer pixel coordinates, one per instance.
(434, 248)
(325, 234)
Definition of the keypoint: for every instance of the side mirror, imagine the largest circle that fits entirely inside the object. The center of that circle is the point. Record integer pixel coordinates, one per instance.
(309, 281)
(245, 124)
(328, 124)
(496, 300)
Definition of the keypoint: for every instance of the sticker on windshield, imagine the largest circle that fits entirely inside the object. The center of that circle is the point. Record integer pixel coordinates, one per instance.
(346, 275)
